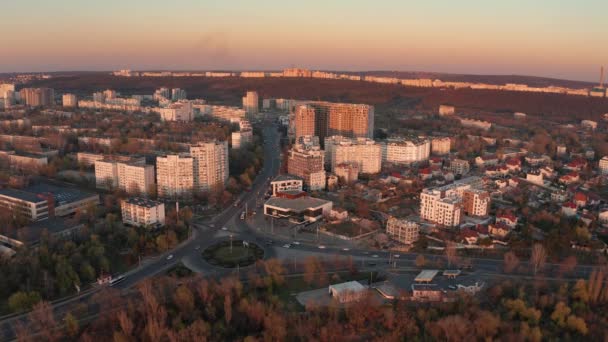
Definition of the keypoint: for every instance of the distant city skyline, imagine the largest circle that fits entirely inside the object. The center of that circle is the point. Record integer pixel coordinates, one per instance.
(555, 39)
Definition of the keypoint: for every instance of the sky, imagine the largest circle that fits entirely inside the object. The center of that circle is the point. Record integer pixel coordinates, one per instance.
(554, 38)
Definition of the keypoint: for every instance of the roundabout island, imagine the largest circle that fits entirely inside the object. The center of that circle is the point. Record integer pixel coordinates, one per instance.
(231, 254)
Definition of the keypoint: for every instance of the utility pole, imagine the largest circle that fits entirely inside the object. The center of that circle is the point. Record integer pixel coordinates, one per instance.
(230, 243)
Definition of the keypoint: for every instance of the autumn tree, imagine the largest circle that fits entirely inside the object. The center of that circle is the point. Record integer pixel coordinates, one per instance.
(538, 257)
(510, 262)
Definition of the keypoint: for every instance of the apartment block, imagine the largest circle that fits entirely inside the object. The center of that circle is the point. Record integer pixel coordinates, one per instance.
(307, 162)
(175, 175)
(36, 97)
(133, 176)
(402, 231)
(69, 100)
(441, 146)
(251, 103)
(405, 150)
(179, 111)
(141, 212)
(604, 165)
(347, 173)
(445, 205)
(210, 165)
(459, 166)
(366, 153)
(476, 202)
(304, 121)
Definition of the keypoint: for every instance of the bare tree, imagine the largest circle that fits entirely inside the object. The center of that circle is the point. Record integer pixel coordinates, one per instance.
(538, 257)
(450, 253)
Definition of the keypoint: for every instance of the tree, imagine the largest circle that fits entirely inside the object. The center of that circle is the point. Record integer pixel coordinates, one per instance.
(560, 314)
(23, 301)
(71, 325)
(538, 257)
(510, 262)
(451, 253)
(420, 261)
(184, 299)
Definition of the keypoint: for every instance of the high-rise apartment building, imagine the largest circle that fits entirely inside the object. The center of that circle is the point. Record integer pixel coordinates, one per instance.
(365, 153)
(476, 202)
(441, 146)
(36, 97)
(69, 100)
(175, 175)
(251, 103)
(304, 121)
(178, 94)
(210, 165)
(306, 160)
(7, 91)
(296, 72)
(406, 150)
(346, 119)
(241, 138)
(135, 176)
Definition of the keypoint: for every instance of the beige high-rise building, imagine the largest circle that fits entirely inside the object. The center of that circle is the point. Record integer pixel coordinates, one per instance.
(346, 119)
(476, 202)
(347, 172)
(251, 103)
(35, 97)
(304, 121)
(69, 100)
(365, 153)
(210, 165)
(441, 146)
(307, 162)
(175, 175)
(133, 176)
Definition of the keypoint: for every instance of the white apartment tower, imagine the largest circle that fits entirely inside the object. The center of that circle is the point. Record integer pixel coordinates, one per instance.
(210, 165)
(174, 175)
(405, 151)
(251, 103)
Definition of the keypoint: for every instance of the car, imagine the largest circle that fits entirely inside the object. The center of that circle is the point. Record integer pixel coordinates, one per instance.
(396, 256)
(321, 247)
(224, 228)
(269, 242)
(253, 213)
(296, 242)
(346, 249)
(286, 245)
(243, 215)
(170, 257)
(198, 247)
(366, 253)
(375, 256)
(212, 225)
(452, 287)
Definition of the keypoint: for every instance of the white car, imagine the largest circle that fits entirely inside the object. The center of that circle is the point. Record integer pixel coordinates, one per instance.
(296, 242)
(170, 257)
(346, 249)
(375, 256)
(286, 245)
(321, 247)
(224, 228)
(396, 256)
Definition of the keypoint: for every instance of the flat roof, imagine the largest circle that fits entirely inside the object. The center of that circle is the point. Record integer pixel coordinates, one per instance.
(426, 287)
(454, 273)
(21, 195)
(286, 177)
(61, 194)
(296, 204)
(354, 286)
(426, 276)
(143, 202)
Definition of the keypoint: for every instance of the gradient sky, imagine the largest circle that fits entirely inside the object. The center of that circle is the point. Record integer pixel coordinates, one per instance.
(562, 39)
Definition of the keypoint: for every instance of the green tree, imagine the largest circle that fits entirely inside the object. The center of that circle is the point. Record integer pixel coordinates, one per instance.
(23, 301)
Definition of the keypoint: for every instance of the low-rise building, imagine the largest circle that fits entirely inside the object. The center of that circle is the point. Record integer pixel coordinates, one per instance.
(286, 184)
(347, 292)
(143, 212)
(604, 165)
(459, 167)
(403, 231)
(347, 173)
(298, 209)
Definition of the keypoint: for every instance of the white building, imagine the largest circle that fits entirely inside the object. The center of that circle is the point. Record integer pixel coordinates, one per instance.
(347, 292)
(88, 159)
(133, 176)
(179, 111)
(459, 166)
(406, 151)
(175, 175)
(364, 152)
(286, 183)
(298, 210)
(444, 205)
(69, 100)
(143, 212)
(178, 94)
(210, 162)
(403, 231)
(604, 165)
(446, 110)
(241, 138)
(251, 103)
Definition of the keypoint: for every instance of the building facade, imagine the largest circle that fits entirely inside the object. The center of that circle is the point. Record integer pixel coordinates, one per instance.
(141, 212)
(210, 165)
(365, 153)
(69, 100)
(307, 162)
(441, 146)
(251, 103)
(406, 151)
(304, 121)
(402, 231)
(175, 175)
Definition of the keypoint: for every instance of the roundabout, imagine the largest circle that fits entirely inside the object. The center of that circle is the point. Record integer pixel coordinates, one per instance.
(230, 254)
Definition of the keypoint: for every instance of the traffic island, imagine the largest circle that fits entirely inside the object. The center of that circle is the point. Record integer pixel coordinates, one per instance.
(230, 254)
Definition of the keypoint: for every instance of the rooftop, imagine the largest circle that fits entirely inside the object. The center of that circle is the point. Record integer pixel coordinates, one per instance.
(286, 177)
(353, 286)
(21, 195)
(426, 276)
(143, 202)
(61, 194)
(296, 204)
